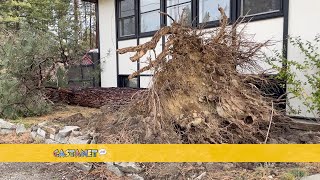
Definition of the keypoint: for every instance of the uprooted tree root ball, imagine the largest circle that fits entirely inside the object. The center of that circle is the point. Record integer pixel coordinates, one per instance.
(199, 93)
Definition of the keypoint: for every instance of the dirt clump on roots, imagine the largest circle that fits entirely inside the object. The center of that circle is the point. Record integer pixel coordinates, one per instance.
(199, 93)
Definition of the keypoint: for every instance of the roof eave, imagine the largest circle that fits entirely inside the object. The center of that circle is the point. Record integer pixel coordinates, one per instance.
(92, 1)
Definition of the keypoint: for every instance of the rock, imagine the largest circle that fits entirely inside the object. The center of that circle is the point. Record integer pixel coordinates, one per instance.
(313, 177)
(79, 140)
(34, 128)
(39, 138)
(201, 176)
(111, 167)
(41, 132)
(84, 166)
(135, 177)
(33, 135)
(270, 177)
(66, 131)
(6, 125)
(50, 141)
(61, 139)
(129, 167)
(76, 133)
(6, 131)
(50, 130)
(51, 136)
(20, 129)
(94, 140)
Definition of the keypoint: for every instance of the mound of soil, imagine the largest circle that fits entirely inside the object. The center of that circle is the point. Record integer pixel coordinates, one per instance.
(92, 97)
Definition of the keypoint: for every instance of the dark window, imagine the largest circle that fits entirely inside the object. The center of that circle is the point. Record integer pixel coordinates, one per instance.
(208, 10)
(150, 16)
(179, 8)
(144, 14)
(256, 7)
(127, 18)
(124, 81)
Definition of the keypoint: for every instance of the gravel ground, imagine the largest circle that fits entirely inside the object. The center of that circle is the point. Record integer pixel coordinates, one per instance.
(37, 171)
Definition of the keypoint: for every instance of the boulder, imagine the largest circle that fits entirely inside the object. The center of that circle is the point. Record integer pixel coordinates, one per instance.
(6, 125)
(20, 129)
(61, 139)
(111, 167)
(79, 140)
(76, 133)
(6, 131)
(66, 131)
(41, 132)
(33, 135)
(129, 167)
(34, 128)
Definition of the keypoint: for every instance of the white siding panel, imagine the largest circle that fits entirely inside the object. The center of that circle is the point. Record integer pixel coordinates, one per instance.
(145, 81)
(262, 31)
(144, 59)
(108, 43)
(303, 18)
(126, 66)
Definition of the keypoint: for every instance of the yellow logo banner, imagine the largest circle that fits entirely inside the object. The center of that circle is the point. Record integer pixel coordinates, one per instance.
(159, 153)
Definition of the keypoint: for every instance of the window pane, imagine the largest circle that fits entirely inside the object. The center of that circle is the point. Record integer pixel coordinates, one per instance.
(208, 9)
(176, 11)
(174, 2)
(150, 21)
(126, 8)
(125, 82)
(260, 6)
(127, 26)
(149, 5)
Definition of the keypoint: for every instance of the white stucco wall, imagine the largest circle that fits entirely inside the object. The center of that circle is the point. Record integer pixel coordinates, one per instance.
(126, 66)
(145, 81)
(108, 43)
(144, 59)
(303, 21)
(265, 30)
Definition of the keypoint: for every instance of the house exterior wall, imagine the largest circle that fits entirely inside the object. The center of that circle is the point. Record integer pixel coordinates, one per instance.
(303, 18)
(300, 21)
(108, 43)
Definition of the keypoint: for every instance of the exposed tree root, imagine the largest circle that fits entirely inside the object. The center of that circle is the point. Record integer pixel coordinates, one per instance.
(198, 93)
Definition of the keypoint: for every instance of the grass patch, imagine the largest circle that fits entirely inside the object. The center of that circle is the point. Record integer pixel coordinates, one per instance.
(294, 174)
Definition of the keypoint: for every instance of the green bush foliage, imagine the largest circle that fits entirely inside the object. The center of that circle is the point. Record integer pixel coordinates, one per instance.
(295, 71)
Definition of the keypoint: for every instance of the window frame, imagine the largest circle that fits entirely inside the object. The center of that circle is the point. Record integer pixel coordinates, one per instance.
(235, 13)
(260, 16)
(211, 24)
(149, 33)
(124, 80)
(193, 12)
(118, 18)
